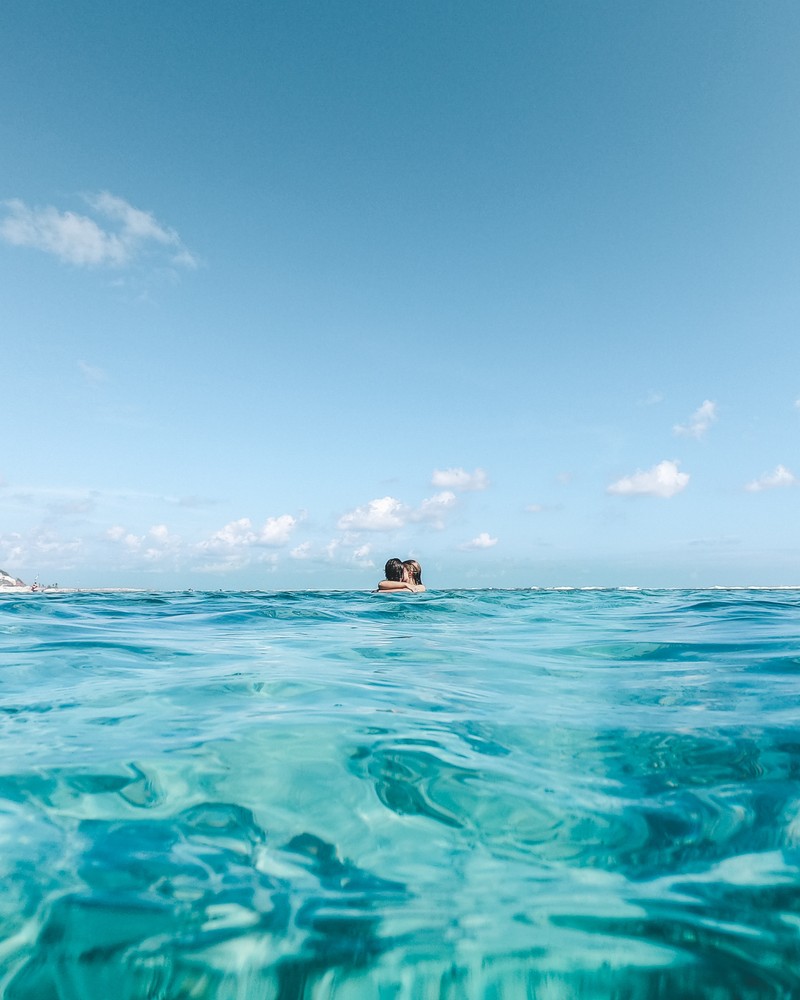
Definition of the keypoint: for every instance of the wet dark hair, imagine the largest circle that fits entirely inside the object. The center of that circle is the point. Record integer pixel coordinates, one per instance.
(414, 570)
(393, 570)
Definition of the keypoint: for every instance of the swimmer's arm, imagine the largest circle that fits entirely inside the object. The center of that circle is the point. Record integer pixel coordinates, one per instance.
(395, 585)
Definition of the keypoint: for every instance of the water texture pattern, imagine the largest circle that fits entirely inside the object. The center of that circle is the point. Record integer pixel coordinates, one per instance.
(478, 794)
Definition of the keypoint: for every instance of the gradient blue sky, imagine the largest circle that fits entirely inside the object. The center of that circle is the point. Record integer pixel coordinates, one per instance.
(290, 288)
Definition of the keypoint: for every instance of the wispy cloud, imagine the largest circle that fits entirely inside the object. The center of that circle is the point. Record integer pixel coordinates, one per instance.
(483, 541)
(460, 480)
(124, 537)
(663, 480)
(723, 542)
(123, 235)
(699, 422)
(362, 557)
(542, 508)
(92, 374)
(44, 545)
(234, 546)
(155, 545)
(135, 224)
(75, 239)
(780, 477)
(337, 550)
(434, 508)
(74, 506)
(237, 559)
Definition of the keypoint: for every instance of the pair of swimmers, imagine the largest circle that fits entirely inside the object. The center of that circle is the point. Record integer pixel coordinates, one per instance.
(405, 576)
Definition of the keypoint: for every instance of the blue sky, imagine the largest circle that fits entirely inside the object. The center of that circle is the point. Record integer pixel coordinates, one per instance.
(291, 288)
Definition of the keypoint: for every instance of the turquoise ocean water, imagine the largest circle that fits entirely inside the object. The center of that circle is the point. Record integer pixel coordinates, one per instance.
(479, 794)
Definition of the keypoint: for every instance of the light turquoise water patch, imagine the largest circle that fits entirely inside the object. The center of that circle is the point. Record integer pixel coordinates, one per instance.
(467, 794)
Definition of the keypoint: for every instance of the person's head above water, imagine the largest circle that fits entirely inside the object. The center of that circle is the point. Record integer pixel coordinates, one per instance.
(393, 570)
(413, 570)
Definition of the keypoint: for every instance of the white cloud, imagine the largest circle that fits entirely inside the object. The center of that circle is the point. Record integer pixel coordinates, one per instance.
(161, 544)
(780, 477)
(124, 537)
(42, 545)
(82, 241)
(155, 544)
(663, 480)
(276, 530)
(390, 514)
(433, 509)
(301, 551)
(699, 422)
(241, 534)
(361, 556)
(12, 547)
(483, 541)
(534, 508)
(73, 238)
(384, 514)
(235, 534)
(460, 479)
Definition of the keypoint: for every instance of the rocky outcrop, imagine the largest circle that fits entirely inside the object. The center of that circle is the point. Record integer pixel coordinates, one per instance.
(6, 580)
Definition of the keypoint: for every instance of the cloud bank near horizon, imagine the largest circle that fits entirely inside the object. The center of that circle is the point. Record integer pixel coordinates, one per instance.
(70, 530)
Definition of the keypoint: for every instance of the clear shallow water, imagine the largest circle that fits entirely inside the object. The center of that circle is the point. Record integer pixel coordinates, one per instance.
(463, 794)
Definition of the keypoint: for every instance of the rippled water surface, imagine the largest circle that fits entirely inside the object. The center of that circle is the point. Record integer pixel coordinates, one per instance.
(460, 794)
